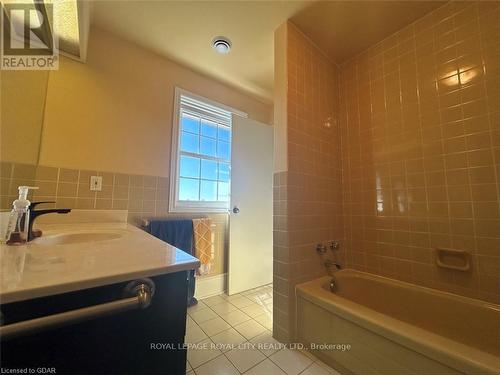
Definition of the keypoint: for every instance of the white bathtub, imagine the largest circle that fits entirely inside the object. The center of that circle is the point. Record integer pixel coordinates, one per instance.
(397, 328)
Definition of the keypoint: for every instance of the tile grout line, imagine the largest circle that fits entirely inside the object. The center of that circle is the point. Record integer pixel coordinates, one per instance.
(209, 337)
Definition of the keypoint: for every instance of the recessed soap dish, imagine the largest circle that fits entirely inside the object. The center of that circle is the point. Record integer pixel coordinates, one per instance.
(459, 260)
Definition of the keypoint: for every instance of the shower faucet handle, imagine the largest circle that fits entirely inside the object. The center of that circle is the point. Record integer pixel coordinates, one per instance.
(320, 248)
(334, 245)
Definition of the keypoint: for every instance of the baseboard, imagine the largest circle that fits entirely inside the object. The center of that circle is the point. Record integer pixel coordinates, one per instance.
(210, 286)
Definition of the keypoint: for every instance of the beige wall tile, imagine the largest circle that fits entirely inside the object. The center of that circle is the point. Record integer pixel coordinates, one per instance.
(46, 173)
(452, 193)
(68, 175)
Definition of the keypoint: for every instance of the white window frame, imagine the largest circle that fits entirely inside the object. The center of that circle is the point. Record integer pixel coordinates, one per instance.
(190, 206)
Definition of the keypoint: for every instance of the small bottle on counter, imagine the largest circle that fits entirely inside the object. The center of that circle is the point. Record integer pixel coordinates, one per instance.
(17, 227)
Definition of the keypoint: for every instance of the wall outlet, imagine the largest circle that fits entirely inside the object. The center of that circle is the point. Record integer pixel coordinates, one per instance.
(96, 183)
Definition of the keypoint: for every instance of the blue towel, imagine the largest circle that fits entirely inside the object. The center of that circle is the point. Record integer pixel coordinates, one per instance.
(176, 232)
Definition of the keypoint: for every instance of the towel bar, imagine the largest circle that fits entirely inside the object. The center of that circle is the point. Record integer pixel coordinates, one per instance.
(145, 222)
(142, 289)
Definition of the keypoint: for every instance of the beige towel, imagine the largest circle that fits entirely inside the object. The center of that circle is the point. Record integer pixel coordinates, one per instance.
(203, 243)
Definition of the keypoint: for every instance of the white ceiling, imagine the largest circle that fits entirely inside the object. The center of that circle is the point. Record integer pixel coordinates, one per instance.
(183, 30)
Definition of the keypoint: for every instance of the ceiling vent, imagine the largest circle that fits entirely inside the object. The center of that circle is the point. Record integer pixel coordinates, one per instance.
(222, 45)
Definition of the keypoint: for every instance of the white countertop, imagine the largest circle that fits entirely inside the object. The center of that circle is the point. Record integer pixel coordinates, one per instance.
(41, 269)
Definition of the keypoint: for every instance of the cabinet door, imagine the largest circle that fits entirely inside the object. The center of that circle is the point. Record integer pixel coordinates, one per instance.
(115, 344)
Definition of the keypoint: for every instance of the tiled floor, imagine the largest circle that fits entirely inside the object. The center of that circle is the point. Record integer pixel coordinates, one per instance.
(233, 335)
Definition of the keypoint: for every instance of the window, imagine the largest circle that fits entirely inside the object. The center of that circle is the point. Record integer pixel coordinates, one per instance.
(201, 155)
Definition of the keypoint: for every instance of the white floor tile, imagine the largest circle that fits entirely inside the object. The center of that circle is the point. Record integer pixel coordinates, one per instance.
(266, 320)
(249, 292)
(235, 317)
(189, 321)
(267, 344)
(265, 368)
(212, 301)
(194, 334)
(259, 298)
(307, 353)
(291, 361)
(241, 302)
(264, 301)
(203, 315)
(254, 310)
(201, 354)
(199, 306)
(214, 326)
(218, 366)
(224, 308)
(188, 367)
(228, 338)
(250, 329)
(231, 297)
(244, 359)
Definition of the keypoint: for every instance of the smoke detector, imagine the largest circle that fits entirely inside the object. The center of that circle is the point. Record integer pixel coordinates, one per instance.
(221, 44)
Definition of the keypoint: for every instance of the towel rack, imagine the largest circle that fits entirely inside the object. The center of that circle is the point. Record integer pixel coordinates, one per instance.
(143, 291)
(145, 222)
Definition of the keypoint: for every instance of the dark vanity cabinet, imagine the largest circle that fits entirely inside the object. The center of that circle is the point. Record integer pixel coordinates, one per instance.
(139, 341)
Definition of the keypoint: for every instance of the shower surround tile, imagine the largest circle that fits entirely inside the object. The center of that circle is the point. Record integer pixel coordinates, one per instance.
(420, 151)
(307, 197)
(409, 159)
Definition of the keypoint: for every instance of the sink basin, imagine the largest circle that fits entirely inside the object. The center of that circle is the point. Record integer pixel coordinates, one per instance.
(78, 237)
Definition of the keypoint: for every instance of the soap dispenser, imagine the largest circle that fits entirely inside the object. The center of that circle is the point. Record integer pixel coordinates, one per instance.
(17, 228)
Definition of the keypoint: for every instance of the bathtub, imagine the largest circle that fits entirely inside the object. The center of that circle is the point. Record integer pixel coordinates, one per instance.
(394, 327)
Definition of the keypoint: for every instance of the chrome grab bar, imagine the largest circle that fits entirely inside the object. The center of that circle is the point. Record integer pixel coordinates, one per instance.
(143, 291)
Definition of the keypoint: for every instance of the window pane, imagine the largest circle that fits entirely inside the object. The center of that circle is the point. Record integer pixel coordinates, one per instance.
(224, 133)
(208, 190)
(209, 169)
(208, 146)
(190, 167)
(224, 150)
(190, 123)
(224, 172)
(223, 194)
(188, 189)
(189, 142)
(209, 129)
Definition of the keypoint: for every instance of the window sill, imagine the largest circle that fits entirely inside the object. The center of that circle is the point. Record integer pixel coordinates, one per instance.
(197, 210)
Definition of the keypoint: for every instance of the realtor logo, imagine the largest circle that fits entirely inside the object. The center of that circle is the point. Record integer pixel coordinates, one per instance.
(28, 41)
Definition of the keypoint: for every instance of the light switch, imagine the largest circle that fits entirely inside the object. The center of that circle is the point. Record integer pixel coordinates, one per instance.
(96, 183)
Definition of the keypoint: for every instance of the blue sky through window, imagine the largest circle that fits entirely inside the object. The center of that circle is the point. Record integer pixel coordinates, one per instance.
(204, 161)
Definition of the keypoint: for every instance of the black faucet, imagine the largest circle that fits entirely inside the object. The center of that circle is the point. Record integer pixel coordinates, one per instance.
(34, 214)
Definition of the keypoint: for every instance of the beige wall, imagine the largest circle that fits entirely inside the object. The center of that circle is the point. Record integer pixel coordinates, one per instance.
(114, 113)
(421, 150)
(22, 102)
(308, 199)
(113, 117)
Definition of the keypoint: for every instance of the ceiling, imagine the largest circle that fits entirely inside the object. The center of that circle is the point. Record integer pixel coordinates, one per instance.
(343, 29)
(183, 30)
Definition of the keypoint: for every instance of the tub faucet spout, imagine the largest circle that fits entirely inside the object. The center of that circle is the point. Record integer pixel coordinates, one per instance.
(330, 263)
(333, 285)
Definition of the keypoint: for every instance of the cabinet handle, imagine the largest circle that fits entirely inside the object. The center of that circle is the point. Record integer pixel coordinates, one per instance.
(143, 291)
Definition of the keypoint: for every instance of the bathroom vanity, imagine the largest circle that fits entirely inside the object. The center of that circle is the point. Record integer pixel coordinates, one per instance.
(94, 298)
